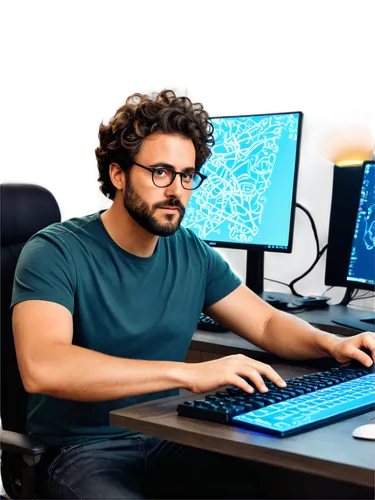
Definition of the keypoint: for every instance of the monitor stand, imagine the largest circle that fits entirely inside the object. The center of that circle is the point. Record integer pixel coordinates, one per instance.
(255, 270)
(369, 319)
(365, 324)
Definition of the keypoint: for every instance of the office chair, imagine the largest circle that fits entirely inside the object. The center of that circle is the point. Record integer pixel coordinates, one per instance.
(25, 209)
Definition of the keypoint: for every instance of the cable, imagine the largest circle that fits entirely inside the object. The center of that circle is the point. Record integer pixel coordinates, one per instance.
(355, 294)
(363, 297)
(319, 252)
(304, 208)
(296, 280)
(276, 281)
(349, 294)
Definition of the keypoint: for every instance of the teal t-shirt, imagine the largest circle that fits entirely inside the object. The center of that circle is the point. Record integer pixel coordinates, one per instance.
(122, 305)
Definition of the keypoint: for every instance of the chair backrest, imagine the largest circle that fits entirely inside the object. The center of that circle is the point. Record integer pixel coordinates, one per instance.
(25, 210)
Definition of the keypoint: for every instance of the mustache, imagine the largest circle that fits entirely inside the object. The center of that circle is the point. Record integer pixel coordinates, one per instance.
(173, 206)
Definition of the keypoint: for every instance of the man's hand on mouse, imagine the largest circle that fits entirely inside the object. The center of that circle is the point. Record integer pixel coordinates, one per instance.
(347, 349)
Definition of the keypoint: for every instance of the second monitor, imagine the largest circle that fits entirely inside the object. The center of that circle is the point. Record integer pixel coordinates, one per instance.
(360, 269)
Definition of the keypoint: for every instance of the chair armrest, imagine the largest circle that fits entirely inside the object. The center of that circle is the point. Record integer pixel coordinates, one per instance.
(20, 443)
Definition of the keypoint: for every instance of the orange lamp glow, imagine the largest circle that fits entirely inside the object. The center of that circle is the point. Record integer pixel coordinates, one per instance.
(348, 145)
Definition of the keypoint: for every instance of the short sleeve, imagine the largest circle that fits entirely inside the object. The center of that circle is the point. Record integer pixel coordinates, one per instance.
(45, 271)
(221, 280)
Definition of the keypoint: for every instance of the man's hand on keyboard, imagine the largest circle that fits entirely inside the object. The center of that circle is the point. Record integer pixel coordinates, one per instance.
(210, 375)
(360, 347)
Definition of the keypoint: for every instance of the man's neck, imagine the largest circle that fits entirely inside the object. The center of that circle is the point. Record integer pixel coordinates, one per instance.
(126, 233)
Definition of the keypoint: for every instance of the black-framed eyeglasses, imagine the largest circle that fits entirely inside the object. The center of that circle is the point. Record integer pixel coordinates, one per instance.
(164, 177)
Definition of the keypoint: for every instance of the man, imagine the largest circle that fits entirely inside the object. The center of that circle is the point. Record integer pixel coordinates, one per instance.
(105, 307)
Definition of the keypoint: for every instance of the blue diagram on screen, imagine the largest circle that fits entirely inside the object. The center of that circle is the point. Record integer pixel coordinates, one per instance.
(362, 257)
(247, 197)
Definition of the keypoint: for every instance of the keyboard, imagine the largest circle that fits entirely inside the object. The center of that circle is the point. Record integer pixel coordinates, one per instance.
(207, 323)
(308, 402)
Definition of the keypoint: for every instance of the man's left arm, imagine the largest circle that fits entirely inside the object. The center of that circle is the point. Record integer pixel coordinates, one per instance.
(283, 334)
(293, 338)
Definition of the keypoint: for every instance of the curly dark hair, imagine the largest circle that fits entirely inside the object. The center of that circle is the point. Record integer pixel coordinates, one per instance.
(122, 139)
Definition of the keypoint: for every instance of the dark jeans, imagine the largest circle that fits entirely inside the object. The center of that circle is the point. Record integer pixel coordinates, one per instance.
(146, 467)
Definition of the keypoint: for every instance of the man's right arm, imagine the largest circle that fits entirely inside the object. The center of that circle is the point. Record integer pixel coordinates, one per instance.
(50, 364)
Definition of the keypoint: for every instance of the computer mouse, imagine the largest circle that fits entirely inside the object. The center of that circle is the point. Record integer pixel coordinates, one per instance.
(365, 432)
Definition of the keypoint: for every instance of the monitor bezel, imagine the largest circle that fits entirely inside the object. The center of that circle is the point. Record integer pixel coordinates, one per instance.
(269, 248)
(357, 285)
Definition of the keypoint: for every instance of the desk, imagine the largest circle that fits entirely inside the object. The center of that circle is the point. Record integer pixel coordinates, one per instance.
(329, 452)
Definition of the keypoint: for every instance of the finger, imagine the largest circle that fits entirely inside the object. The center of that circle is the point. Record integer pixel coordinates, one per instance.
(271, 374)
(368, 342)
(360, 356)
(242, 384)
(255, 378)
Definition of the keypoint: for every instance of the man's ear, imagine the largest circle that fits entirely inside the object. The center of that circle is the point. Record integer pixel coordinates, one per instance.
(117, 176)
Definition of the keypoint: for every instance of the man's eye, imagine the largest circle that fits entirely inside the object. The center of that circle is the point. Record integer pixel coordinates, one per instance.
(188, 176)
(161, 172)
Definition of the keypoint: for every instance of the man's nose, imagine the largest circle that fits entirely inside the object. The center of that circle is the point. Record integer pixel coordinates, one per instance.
(176, 187)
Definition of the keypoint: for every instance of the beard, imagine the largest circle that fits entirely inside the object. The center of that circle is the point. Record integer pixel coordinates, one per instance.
(165, 224)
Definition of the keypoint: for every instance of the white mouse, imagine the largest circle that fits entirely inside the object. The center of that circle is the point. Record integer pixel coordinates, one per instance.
(365, 432)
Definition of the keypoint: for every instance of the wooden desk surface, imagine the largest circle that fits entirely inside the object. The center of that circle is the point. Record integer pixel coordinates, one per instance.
(330, 451)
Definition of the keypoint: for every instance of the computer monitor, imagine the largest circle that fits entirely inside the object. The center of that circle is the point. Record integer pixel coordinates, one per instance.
(346, 188)
(360, 269)
(248, 200)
